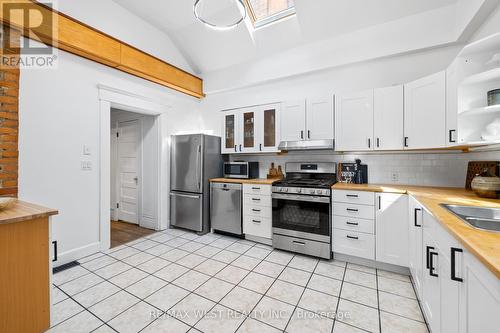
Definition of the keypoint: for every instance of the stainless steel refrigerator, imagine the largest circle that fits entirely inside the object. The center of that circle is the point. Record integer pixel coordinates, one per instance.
(194, 159)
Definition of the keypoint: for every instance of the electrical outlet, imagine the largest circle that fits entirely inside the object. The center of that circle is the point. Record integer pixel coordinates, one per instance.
(86, 165)
(395, 177)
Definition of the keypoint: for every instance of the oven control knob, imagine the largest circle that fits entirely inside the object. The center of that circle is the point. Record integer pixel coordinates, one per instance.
(313, 191)
(299, 190)
(282, 189)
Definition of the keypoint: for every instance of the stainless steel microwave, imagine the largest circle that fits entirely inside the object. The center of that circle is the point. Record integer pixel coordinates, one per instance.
(242, 170)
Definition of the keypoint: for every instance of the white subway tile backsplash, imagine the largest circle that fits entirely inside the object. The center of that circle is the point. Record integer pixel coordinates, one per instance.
(433, 169)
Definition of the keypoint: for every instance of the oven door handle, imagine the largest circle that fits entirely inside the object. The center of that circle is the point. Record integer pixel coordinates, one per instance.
(300, 198)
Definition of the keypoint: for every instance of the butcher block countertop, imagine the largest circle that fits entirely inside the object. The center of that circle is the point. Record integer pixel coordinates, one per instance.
(485, 245)
(258, 181)
(24, 211)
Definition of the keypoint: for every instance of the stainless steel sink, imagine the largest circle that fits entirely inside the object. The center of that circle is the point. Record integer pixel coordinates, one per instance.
(479, 217)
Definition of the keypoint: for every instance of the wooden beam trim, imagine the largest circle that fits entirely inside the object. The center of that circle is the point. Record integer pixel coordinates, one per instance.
(179, 79)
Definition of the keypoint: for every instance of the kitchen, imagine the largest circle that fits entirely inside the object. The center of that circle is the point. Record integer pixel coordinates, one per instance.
(347, 181)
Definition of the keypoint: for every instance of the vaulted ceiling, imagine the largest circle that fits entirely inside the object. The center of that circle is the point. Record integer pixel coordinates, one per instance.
(209, 50)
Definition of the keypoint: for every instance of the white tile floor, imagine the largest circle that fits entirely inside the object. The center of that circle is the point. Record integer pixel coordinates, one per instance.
(177, 281)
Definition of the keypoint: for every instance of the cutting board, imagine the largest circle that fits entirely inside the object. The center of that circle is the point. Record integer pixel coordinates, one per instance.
(476, 167)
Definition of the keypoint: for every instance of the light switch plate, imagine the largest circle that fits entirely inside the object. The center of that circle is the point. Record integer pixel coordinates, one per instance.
(86, 150)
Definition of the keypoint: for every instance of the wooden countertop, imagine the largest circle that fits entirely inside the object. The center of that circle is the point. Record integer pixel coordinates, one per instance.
(485, 245)
(258, 181)
(23, 211)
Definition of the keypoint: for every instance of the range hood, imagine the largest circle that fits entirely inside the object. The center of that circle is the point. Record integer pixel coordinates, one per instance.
(307, 145)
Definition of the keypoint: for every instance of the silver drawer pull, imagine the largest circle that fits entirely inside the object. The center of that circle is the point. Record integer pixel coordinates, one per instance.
(255, 199)
(351, 195)
(352, 210)
(256, 210)
(352, 223)
(299, 243)
(352, 237)
(255, 188)
(256, 221)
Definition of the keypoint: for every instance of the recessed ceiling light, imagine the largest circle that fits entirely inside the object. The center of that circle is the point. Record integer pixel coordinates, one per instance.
(241, 9)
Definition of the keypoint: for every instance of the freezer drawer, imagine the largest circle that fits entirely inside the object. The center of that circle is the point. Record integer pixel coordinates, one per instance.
(186, 210)
(226, 211)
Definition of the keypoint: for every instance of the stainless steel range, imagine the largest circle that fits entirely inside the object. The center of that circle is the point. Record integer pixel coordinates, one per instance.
(302, 209)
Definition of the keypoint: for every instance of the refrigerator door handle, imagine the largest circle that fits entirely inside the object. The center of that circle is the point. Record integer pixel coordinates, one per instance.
(198, 167)
(185, 195)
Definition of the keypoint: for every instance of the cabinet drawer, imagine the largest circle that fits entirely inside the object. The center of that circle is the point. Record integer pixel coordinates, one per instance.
(354, 224)
(353, 210)
(257, 200)
(258, 211)
(357, 197)
(257, 189)
(354, 243)
(257, 226)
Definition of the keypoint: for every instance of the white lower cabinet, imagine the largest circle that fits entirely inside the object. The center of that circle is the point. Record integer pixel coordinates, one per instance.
(415, 256)
(391, 228)
(257, 211)
(459, 294)
(353, 223)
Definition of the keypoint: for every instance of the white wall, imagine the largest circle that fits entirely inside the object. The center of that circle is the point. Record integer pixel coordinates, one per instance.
(111, 18)
(59, 113)
(448, 169)
(379, 73)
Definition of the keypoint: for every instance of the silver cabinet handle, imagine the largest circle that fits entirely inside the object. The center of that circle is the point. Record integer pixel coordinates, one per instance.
(352, 223)
(255, 188)
(299, 243)
(352, 237)
(255, 199)
(352, 210)
(256, 210)
(256, 221)
(352, 195)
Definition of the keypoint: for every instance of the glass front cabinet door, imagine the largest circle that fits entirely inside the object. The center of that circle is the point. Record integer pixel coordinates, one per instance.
(248, 125)
(230, 141)
(251, 130)
(269, 127)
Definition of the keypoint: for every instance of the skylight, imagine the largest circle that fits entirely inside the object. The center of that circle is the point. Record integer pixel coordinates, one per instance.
(264, 12)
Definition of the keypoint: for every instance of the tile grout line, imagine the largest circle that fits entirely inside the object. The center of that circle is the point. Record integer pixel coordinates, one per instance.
(340, 295)
(189, 252)
(301, 295)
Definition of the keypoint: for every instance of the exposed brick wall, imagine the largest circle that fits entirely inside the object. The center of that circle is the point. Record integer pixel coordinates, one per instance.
(9, 122)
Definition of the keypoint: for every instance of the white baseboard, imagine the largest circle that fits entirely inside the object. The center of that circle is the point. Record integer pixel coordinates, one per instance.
(75, 254)
(371, 263)
(149, 222)
(265, 241)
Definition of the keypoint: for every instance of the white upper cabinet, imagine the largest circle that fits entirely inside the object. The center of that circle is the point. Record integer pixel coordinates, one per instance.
(230, 131)
(268, 129)
(249, 130)
(319, 119)
(308, 120)
(391, 224)
(293, 121)
(354, 121)
(388, 126)
(425, 112)
(452, 105)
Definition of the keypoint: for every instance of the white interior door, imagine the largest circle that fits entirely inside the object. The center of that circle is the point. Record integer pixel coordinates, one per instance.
(129, 140)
